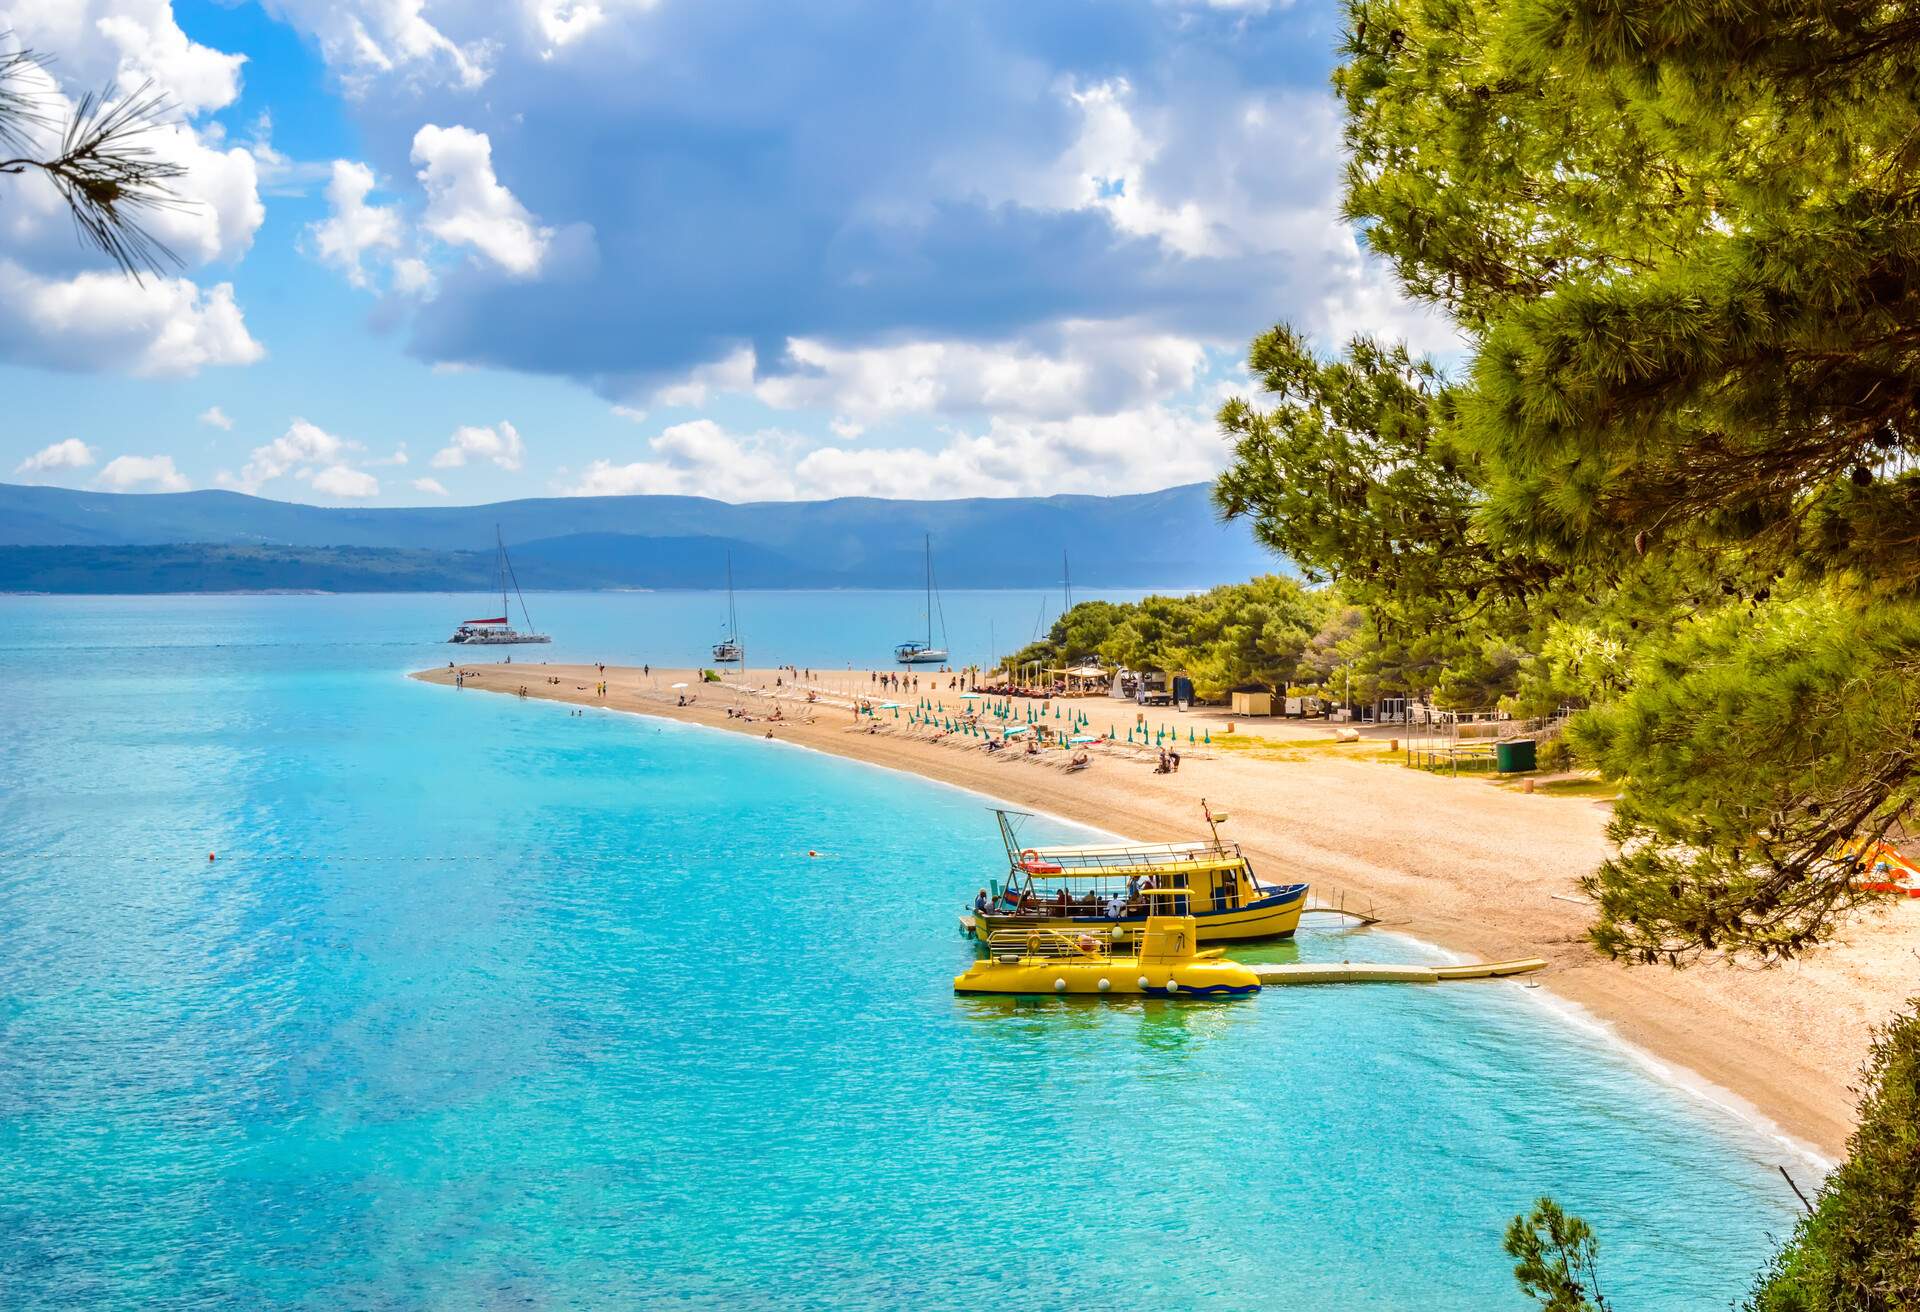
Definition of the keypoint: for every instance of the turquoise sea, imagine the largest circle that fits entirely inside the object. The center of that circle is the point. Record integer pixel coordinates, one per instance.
(486, 1005)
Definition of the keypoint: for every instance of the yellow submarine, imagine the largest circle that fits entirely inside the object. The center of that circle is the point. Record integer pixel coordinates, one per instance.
(1160, 959)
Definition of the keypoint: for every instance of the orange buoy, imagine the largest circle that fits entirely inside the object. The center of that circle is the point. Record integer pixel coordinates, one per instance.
(209, 856)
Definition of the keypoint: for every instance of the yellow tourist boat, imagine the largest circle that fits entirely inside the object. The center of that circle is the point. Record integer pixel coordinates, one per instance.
(1101, 886)
(1162, 960)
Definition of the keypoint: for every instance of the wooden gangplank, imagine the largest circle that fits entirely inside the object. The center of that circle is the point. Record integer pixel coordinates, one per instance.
(1354, 972)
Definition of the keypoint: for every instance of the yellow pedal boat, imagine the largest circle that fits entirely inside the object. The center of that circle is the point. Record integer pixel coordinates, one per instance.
(1162, 959)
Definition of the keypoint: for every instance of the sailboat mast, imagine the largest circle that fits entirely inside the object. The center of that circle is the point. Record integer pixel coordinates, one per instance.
(1066, 574)
(500, 566)
(929, 590)
(733, 624)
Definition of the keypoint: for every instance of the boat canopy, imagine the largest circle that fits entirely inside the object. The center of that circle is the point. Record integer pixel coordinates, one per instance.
(501, 620)
(1199, 848)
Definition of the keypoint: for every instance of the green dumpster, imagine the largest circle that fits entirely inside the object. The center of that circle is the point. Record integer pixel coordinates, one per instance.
(1514, 756)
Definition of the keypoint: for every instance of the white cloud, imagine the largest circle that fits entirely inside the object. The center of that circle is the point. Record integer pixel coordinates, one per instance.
(1186, 183)
(1371, 304)
(368, 39)
(70, 454)
(499, 443)
(1134, 451)
(431, 486)
(128, 473)
(352, 227)
(304, 447)
(214, 417)
(1107, 166)
(731, 373)
(159, 328)
(846, 429)
(344, 481)
(467, 205)
(630, 414)
(700, 458)
(411, 275)
(126, 42)
(1088, 368)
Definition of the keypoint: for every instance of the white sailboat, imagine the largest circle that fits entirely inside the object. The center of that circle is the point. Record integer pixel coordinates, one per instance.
(495, 631)
(913, 651)
(729, 651)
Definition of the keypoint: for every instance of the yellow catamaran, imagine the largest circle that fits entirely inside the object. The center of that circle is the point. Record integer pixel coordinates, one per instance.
(1070, 888)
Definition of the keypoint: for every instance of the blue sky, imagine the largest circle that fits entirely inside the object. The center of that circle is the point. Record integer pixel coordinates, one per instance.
(444, 250)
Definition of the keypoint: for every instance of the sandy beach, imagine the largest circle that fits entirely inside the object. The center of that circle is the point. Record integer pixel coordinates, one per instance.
(1476, 867)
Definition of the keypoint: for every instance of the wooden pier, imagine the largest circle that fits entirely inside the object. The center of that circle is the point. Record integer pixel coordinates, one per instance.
(1353, 972)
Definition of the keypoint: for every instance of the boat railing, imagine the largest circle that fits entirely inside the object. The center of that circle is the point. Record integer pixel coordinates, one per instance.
(1040, 943)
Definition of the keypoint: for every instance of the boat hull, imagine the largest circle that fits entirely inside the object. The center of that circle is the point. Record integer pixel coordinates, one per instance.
(1274, 917)
(499, 640)
(1116, 977)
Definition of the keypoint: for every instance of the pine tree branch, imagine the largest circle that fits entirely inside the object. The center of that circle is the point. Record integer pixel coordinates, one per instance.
(105, 170)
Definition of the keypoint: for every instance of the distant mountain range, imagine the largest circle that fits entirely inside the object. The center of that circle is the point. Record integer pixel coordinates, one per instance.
(60, 540)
